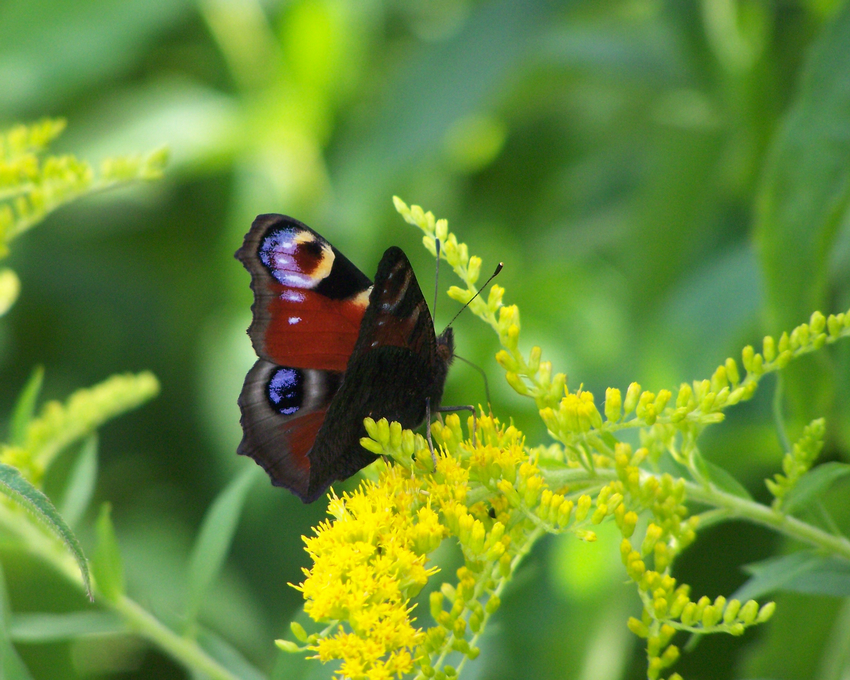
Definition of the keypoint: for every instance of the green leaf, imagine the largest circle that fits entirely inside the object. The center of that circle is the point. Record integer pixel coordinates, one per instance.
(724, 481)
(815, 482)
(27, 496)
(228, 656)
(803, 200)
(831, 576)
(81, 482)
(772, 574)
(41, 628)
(11, 666)
(25, 407)
(214, 539)
(807, 181)
(802, 572)
(107, 566)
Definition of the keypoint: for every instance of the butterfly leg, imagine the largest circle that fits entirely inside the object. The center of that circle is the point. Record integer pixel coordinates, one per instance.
(428, 431)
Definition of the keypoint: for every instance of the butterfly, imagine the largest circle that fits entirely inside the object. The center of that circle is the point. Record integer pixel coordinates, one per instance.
(333, 348)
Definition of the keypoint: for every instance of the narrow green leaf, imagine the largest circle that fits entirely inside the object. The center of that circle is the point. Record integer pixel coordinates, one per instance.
(828, 577)
(724, 481)
(27, 496)
(807, 181)
(802, 572)
(25, 407)
(81, 482)
(214, 540)
(107, 566)
(772, 574)
(41, 628)
(228, 656)
(815, 482)
(802, 203)
(11, 665)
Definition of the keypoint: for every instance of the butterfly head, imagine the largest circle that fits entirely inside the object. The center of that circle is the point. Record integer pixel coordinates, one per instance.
(446, 345)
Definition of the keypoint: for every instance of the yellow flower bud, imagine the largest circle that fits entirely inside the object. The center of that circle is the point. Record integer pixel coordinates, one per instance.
(632, 396)
(287, 646)
(766, 612)
(298, 631)
(534, 359)
(747, 358)
(638, 627)
(732, 371)
(473, 269)
(769, 348)
(584, 503)
(517, 383)
(613, 404)
(731, 611)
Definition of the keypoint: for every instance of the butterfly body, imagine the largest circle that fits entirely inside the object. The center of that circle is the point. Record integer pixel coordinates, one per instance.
(333, 349)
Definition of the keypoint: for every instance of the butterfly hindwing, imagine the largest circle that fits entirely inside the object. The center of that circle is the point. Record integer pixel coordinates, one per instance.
(282, 411)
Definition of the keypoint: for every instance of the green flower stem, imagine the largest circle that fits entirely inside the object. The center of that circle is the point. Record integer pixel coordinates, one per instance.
(729, 507)
(532, 538)
(185, 651)
(741, 508)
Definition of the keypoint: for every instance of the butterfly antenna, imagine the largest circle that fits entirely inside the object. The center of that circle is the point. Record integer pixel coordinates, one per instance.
(436, 280)
(483, 375)
(480, 290)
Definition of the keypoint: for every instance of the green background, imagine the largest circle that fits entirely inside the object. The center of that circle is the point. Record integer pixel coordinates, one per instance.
(665, 182)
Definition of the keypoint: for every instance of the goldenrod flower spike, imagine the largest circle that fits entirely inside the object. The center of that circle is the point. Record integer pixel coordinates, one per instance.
(497, 496)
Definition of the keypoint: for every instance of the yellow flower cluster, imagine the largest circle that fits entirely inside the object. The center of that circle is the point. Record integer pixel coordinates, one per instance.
(371, 558)
(367, 564)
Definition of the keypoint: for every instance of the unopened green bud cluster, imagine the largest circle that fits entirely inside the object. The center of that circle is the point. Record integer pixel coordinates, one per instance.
(798, 460)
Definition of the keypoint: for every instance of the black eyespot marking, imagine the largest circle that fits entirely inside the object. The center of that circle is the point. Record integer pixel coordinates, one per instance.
(312, 248)
(286, 390)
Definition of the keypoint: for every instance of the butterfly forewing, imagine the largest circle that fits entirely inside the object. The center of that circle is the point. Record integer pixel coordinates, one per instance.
(309, 297)
(394, 368)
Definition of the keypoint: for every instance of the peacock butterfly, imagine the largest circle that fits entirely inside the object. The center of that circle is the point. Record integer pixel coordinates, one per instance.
(333, 349)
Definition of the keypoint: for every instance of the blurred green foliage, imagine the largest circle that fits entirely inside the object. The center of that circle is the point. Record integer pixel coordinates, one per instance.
(665, 181)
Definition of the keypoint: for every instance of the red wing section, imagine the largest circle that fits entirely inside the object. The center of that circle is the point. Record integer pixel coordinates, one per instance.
(306, 329)
(309, 299)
